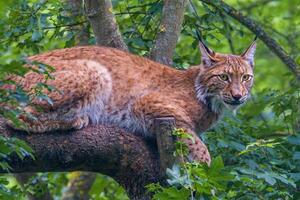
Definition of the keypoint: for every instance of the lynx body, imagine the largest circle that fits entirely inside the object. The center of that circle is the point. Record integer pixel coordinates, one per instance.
(108, 86)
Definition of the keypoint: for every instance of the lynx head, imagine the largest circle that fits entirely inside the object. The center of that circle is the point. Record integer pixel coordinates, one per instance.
(227, 79)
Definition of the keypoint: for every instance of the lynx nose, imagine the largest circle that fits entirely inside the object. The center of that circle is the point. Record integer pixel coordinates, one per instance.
(236, 97)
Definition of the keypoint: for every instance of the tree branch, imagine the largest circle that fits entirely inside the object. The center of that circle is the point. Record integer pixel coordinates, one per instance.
(170, 27)
(103, 22)
(165, 143)
(260, 32)
(257, 4)
(125, 157)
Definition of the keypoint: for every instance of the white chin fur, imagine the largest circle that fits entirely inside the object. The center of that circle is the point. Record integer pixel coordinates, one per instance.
(216, 103)
(219, 106)
(232, 107)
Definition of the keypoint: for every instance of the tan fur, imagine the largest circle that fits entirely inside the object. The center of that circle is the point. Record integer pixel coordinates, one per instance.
(109, 86)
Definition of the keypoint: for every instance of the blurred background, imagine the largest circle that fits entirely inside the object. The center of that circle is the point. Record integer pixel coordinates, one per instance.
(259, 146)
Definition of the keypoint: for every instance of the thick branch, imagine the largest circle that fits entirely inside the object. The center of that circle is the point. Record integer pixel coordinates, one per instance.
(103, 22)
(165, 143)
(127, 158)
(260, 32)
(170, 27)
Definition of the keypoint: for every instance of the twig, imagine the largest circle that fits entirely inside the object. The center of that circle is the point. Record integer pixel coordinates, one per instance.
(257, 4)
(260, 32)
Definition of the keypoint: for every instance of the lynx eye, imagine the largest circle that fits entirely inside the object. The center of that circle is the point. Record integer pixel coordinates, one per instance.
(246, 77)
(224, 77)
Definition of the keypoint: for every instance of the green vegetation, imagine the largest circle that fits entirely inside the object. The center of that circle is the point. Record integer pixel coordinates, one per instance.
(256, 152)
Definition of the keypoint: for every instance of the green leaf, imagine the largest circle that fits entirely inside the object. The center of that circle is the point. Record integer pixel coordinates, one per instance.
(294, 139)
(295, 176)
(216, 165)
(296, 155)
(172, 193)
(36, 36)
(270, 180)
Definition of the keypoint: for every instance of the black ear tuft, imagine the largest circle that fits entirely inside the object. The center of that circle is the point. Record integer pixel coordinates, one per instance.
(250, 52)
(207, 55)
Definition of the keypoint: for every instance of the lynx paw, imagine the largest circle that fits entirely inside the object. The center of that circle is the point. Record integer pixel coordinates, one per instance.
(198, 152)
(81, 122)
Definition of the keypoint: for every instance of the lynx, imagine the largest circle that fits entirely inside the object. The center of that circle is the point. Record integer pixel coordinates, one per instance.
(100, 85)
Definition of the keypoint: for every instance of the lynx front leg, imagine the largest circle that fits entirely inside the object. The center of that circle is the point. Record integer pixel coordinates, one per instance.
(197, 149)
(154, 106)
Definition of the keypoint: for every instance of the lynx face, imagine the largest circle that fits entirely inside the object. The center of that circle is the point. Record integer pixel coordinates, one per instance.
(227, 79)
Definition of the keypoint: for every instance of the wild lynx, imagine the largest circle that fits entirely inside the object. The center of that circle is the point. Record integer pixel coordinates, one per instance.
(109, 86)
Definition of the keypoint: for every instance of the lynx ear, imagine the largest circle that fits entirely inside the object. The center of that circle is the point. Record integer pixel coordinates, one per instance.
(207, 55)
(249, 53)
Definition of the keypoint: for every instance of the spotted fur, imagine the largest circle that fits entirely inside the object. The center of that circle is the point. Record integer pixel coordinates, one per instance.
(99, 85)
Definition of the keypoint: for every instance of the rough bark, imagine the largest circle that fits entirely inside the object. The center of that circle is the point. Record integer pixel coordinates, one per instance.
(165, 143)
(102, 20)
(169, 31)
(127, 158)
(260, 32)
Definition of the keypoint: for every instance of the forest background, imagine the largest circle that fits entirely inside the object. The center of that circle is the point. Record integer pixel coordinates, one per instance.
(256, 152)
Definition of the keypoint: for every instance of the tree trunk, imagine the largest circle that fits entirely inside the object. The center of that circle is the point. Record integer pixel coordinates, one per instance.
(103, 22)
(169, 31)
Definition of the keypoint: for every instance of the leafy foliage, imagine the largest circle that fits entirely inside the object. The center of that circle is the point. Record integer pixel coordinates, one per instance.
(256, 153)
(104, 188)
